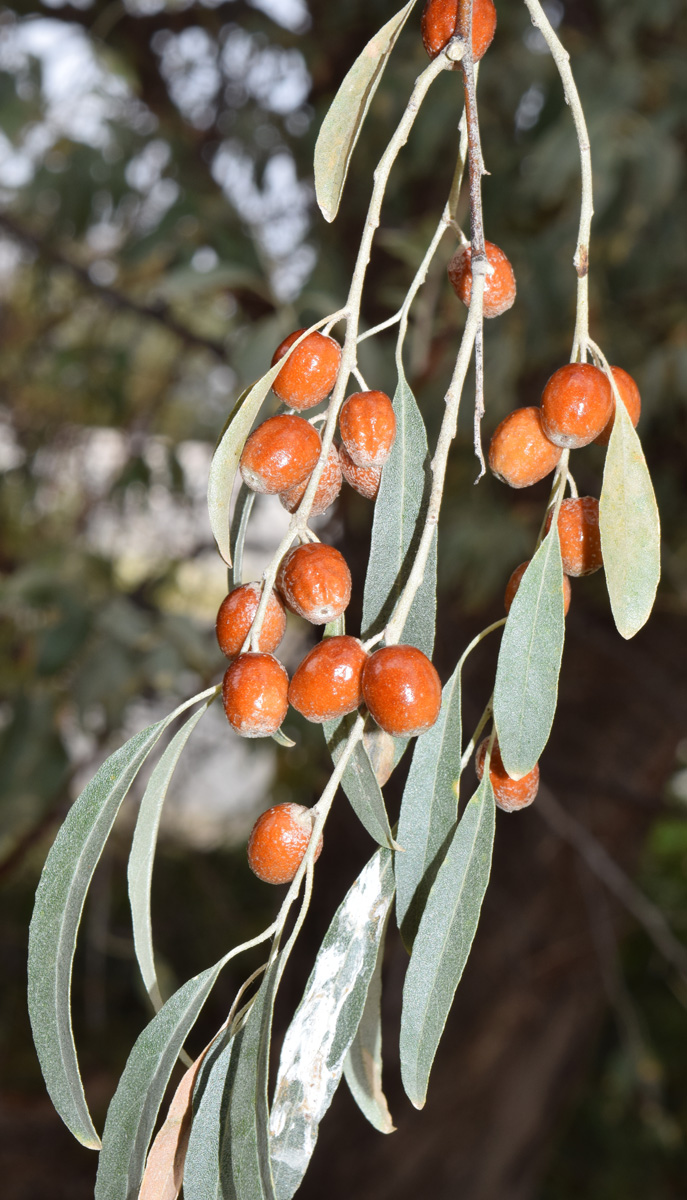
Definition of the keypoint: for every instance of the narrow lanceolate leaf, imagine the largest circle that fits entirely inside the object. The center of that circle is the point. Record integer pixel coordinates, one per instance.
(363, 1063)
(325, 1023)
(237, 533)
(282, 740)
(398, 522)
(142, 856)
(202, 1168)
(225, 460)
(133, 1111)
(429, 810)
(342, 125)
(443, 940)
(630, 529)
(526, 689)
(57, 912)
(164, 1171)
(360, 782)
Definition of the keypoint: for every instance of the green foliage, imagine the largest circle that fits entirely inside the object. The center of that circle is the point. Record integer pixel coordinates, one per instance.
(359, 781)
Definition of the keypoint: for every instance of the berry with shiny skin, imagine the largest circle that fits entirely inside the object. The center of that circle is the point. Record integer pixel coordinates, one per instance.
(440, 22)
(402, 690)
(255, 694)
(499, 286)
(326, 491)
(328, 682)
(576, 405)
(280, 454)
(236, 614)
(520, 454)
(368, 427)
(309, 374)
(278, 842)
(315, 582)
(578, 530)
(514, 583)
(365, 480)
(629, 394)
(509, 794)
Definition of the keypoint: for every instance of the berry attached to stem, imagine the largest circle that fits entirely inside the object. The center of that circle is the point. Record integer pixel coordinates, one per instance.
(255, 694)
(510, 794)
(514, 583)
(310, 373)
(576, 405)
(278, 842)
(364, 480)
(315, 582)
(236, 614)
(402, 690)
(441, 21)
(368, 427)
(629, 394)
(499, 286)
(326, 491)
(279, 454)
(578, 530)
(520, 454)
(328, 682)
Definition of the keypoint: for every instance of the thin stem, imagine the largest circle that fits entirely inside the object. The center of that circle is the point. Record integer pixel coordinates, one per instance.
(573, 486)
(477, 639)
(470, 748)
(581, 258)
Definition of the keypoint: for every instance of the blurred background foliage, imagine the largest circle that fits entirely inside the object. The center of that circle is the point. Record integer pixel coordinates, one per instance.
(158, 237)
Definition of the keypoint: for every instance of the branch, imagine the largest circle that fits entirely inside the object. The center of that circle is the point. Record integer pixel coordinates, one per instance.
(158, 312)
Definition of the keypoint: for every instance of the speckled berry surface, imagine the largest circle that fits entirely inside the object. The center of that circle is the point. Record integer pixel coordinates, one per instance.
(520, 454)
(328, 682)
(629, 394)
(440, 22)
(509, 794)
(365, 480)
(367, 424)
(499, 286)
(235, 617)
(315, 582)
(327, 489)
(278, 842)
(402, 690)
(279, 454)
(578, 530)
(255, 694)
(576, 405)
(514, 583)
(309, 374)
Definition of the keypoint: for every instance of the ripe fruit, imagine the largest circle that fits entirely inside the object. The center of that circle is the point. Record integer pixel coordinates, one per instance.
(365, 480)
(499, 286)
(254, 694)
(235, 617)
(310, 373)
(576, 405)
(327, 683)
(510, 794)
(326, 491)
(514, 583)
(578, 530)
(402, 690)
(440, 22)
(520, 453)
(368, 427)
(279, 454)
(629, 394)
(278, 842)
(315, 582)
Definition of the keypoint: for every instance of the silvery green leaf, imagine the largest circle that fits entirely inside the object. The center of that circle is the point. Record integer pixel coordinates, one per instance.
(363, 1063)
(237, 532)
(342, 125)
(359, 781)
(630, 529)
(444, 938)
(202, 1179)
(429, 810)
(526, 689)
(325, 1023)
(56, 917)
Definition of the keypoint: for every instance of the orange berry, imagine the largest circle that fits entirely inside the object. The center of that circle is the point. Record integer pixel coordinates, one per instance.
(327, 684)
(629, 394)
(315, 582)
(510, 794)
(368, 427)
(278, 842)
(576, 405)
(499, 287)
(514, 583)
(520, 453)
(254, 694)
(402, 690)
(326, 491)
(440, 22)
(310, 373)
(578, 530)
(365, 480)
(236, 614)
(279, 454)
